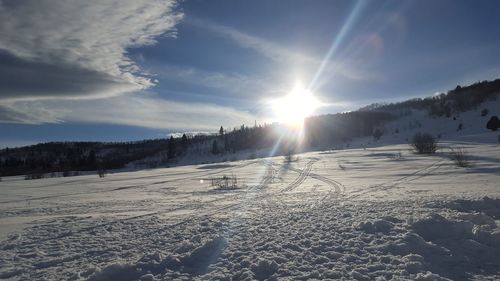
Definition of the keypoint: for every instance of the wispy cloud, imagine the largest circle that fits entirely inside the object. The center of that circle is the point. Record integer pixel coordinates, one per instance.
(144, 110)
(279, 53)
(233, 85)
(32, 113)
(78, 48)
(265, 47)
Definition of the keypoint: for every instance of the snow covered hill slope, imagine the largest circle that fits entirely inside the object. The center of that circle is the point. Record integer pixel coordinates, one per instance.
(356, 214)
(469, 126)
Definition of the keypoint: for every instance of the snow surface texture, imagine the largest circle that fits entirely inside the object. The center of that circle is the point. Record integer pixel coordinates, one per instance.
(359, 214)
(351, 214)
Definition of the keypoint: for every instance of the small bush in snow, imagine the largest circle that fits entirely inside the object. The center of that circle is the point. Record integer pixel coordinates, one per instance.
(70, 173)
(34, 176)
(290, 157)
(493, 124)
(424, 143)
(101, 173)
(377, 133)
(484, 112)
(341, 165)
(397, 156)
(460, 157)
(225, 182)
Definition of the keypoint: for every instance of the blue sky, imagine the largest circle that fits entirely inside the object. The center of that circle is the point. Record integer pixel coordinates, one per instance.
(126, 70)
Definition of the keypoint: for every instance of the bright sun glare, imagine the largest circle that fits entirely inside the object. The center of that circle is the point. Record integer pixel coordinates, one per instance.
(293, 108)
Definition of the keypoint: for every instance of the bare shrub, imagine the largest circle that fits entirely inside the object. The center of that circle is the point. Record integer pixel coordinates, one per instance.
(341, 165)
(397, 156)
(70, 173)
(484, 112)
(424, 143)
(34, 176)
(460, 157)
(377, 133)
(102, 173)
(290, 157)
(225, 182)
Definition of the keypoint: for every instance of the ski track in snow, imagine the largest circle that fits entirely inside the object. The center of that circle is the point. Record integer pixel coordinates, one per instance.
(303, 174)
(289, 222)
(336, 188)
(395, 183)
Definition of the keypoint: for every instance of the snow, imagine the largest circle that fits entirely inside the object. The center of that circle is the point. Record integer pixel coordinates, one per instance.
(372, 212)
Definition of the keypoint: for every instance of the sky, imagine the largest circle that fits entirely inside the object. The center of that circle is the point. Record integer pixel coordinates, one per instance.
(120, 70)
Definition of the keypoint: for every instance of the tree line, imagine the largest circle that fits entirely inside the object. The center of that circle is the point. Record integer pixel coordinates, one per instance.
(446, 104)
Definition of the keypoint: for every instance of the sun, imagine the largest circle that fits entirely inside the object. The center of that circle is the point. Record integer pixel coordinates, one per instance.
(293, 108)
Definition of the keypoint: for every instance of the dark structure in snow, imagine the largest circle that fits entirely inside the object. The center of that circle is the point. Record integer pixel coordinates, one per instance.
(493, 124)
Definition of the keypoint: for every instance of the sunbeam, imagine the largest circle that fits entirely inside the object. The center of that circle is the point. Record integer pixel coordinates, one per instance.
(358, 7)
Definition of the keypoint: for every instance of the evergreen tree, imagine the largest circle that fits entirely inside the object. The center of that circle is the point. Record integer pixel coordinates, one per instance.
(171, 148)
(184, 142)
(91, 157)
(226, 143)
(215, 148)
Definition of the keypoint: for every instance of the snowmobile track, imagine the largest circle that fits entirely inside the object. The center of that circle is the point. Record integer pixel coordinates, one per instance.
(301, 178)
(394, 183)
(266, 179)
(337, 186)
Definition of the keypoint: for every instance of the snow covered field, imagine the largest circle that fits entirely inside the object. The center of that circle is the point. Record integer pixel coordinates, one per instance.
(365, 214)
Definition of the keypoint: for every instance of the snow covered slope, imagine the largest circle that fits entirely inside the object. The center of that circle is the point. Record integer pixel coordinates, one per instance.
(467, 126)
(366, 214)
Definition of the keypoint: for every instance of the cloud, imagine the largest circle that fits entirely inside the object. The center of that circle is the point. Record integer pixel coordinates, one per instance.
(78, 49)
(144, 110)
(22, 79)
(21, 113)
(265, 47)
(228, 85)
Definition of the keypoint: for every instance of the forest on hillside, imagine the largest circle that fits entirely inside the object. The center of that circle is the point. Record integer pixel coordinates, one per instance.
(457, 100)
